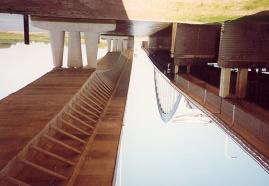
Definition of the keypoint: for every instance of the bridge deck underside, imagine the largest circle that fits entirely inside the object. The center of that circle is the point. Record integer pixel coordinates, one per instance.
(24, 113)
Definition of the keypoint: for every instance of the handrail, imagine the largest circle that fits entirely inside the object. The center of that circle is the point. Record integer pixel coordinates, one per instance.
(167, 96)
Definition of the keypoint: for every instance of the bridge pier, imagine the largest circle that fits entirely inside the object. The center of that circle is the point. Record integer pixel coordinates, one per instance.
(74, 50)
(91, 40)
(225, 78)
(241, 82)
(57, 29)
(130, 42)
(115, 45)
(119, 43)
(125, 44)
(108, 45)
(57, 47)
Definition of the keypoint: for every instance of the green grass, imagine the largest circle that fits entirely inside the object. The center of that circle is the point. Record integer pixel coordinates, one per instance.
(256, 4)
(8, 38)
(216, 11)
(5, 45)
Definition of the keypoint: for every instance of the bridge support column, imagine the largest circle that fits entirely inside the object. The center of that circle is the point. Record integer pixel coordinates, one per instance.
(119, 45)
(130, 43)
(241, 82)
(115, 45)
(188, 69)
(57, 47)
(57, 28)
(108, 45)
(74, 50)
(125, 44)
(225, 78)
(176, 69)
(91, 40)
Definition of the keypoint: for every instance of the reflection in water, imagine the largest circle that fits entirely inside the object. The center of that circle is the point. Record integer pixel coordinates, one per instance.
(5, 45)
(167, 96)
(188, 112)
(21, 64)
(189, 150)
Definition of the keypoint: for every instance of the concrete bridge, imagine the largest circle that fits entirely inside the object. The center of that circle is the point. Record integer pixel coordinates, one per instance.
(73, 139)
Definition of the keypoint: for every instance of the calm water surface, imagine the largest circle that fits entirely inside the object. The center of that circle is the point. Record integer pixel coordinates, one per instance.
(189, 150)
(21, 64)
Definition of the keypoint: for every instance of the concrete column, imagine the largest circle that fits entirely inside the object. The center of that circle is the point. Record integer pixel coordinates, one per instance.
(225, 78)
(188, 69)
(115, 43)
(125, 44)
(131, 43)
(57, 47)
(241, 82)
(74, 50)
(174, 33)
(108, 45)
(91, 39)
(176, 69)
(119, 45)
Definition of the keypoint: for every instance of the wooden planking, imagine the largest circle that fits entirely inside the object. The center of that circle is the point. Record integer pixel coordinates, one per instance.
(52, 155)
(42, 169)
(30, 109)
(99, 164)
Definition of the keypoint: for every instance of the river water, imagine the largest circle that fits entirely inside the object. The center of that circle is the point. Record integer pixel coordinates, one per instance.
(22, 64)
(188, 150)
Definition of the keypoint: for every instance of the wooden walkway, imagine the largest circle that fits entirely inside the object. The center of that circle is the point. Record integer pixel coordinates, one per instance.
(98, 167)
(24, 113)
(72, 143)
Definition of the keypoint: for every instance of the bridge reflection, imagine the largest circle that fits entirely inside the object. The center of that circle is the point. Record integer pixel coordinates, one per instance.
(167, 96)
(190, 145)
(170, 99)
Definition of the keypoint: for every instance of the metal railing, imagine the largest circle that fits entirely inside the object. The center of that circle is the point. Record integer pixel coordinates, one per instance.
(167, 96)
